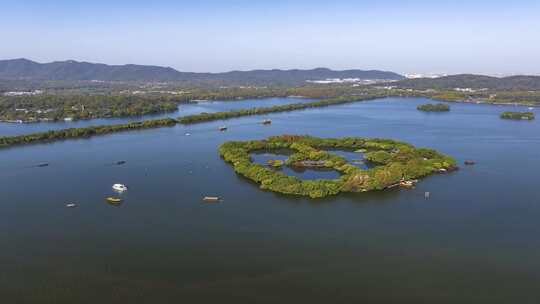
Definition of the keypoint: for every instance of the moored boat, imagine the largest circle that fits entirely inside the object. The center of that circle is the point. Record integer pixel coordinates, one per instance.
(120, 187)
(222, 128)
(408, 183)
(211, 199)
(114, 200)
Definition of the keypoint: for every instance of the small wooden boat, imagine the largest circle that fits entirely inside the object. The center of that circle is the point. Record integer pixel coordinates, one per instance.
(266, 122)
(469, 162)
(223, 128)
(114, 200)
(41, 165)
(120, 162)
(211, 199)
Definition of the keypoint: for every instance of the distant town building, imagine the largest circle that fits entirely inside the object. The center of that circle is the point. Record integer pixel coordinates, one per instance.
(23, 93)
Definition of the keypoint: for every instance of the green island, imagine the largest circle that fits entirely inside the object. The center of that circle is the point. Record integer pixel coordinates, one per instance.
(518, 115)
(430, 107)
(393, 161)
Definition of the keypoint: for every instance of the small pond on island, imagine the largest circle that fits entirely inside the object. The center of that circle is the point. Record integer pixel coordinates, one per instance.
(300, 172)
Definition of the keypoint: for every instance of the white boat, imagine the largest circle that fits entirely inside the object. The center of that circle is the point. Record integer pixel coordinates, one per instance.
(531, 108)
(120, 187)
(71, 205)
(211, 199)
(408, 183)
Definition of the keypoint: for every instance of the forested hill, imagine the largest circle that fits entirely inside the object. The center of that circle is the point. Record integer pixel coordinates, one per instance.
(24, 69)
(473, 82)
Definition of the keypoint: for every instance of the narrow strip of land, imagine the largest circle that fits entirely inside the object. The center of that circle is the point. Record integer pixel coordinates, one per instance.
(203, 117)
(86, 132)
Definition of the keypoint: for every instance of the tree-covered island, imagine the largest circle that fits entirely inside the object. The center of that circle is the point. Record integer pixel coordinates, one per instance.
(437, 107)
(518, 115)
(393, 162)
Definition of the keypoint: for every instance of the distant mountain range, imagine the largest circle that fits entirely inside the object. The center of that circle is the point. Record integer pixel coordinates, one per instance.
(472, 81)
(70, 70)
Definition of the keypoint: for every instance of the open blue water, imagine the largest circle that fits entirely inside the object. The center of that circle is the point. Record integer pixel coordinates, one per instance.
(475, 240)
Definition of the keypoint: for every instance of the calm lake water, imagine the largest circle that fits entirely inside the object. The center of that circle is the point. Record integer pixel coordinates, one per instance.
(475, 240)
(10, 129)
(305, 173)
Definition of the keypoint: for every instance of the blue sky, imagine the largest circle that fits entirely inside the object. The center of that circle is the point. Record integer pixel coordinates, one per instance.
(404, 36)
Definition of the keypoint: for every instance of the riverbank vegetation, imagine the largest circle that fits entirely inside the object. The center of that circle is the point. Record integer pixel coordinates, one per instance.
(526, 98)
(394, 162)
(55, 135)
(437, 107)
(518, 115)
(75, 107)
(204, 117)
(131, 99)
(47, 106)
